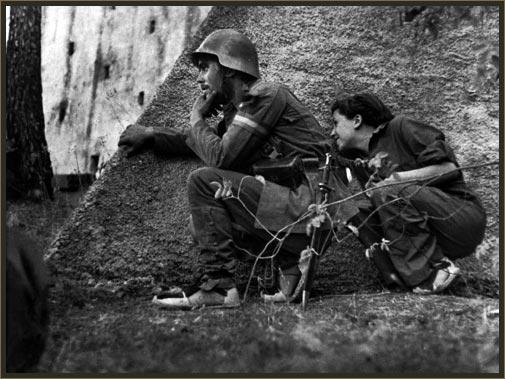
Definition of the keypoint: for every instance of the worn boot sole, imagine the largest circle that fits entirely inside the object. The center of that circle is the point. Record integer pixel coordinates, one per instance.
(200, 299)
(432, 288)
(278, 297)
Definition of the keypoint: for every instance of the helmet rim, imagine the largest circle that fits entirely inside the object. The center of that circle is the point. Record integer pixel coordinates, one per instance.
(232, 49)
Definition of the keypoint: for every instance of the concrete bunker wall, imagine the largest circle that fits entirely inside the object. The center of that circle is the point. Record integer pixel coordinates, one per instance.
(132, 224)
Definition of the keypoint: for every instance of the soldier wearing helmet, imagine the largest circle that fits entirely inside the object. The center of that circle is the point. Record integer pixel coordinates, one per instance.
(262, 122)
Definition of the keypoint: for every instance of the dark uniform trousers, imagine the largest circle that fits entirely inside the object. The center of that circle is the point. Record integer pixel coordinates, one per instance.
(423, 224)
(213, 221)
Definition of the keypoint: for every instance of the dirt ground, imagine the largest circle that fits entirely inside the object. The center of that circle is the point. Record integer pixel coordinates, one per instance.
(348, 334)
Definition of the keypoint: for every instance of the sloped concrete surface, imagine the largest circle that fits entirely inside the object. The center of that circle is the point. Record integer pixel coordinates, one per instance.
(132, 224)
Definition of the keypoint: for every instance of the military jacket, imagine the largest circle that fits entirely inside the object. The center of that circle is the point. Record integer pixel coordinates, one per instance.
(269, 122)
(411, 144)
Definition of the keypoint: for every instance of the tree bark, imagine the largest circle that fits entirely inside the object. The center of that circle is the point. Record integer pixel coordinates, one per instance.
(29, 171)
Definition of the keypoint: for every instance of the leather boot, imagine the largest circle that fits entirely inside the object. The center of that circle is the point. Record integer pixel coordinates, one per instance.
(385, 267)
(219, 299)
(213, 233)
(287, 280)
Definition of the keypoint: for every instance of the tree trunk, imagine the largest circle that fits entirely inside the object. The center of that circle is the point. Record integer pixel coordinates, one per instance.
(29, 172)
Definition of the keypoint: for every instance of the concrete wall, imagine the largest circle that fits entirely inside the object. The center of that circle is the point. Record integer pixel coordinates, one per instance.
(132, 225)
(100, 67)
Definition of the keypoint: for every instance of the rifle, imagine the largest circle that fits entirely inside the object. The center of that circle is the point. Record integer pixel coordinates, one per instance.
(311, 254)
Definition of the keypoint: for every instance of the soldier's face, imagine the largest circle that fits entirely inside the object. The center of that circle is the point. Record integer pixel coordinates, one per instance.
(210, 76)
(344, 131)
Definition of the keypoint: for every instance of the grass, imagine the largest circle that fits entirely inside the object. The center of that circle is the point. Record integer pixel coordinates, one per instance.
(393, 333)
(42, 220)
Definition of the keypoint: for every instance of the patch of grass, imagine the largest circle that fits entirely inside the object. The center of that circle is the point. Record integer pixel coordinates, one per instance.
(388, 333)
(42, 220)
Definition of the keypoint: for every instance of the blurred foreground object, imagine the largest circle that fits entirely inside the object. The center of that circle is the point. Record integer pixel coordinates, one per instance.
(26, 302)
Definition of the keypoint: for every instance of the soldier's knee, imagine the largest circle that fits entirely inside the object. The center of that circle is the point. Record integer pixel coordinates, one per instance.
(409, 190)
(199, 188)
(201, 175)
(386, 194)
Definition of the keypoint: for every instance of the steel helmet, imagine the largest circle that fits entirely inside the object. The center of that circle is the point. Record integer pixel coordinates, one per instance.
(233, 50)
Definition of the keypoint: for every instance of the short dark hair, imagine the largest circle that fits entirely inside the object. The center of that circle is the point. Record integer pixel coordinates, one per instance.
(373, 111)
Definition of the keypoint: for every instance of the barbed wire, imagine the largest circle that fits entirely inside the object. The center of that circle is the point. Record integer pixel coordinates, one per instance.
(322, 209)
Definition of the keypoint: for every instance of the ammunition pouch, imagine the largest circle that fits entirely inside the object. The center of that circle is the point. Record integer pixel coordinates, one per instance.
(287, 172)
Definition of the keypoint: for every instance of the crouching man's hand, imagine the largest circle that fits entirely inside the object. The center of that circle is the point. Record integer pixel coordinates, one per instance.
(136, 138)
(205, 106)
(371, 185)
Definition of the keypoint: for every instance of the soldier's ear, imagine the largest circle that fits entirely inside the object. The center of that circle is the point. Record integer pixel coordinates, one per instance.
(358, 121)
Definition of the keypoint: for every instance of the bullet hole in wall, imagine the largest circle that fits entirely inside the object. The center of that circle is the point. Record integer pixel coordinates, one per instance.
(140, 98)
(152, 26)
(71, 48)
(413, 12)
(106, 71)
(93, 164)
(62, 110)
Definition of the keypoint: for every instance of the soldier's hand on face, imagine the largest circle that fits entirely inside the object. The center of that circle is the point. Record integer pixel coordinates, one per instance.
(204, 106)
(135, 138)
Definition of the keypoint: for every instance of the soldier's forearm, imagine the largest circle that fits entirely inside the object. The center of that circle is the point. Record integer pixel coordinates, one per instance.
(169, 142)
(205, 143)
(437, 173)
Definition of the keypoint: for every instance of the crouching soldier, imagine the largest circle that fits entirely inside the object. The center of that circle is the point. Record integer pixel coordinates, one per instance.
(261, 121)
(413, 230)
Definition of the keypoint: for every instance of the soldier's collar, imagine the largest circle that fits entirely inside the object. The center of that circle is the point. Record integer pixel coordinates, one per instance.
(378, 129)
(230, 107)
